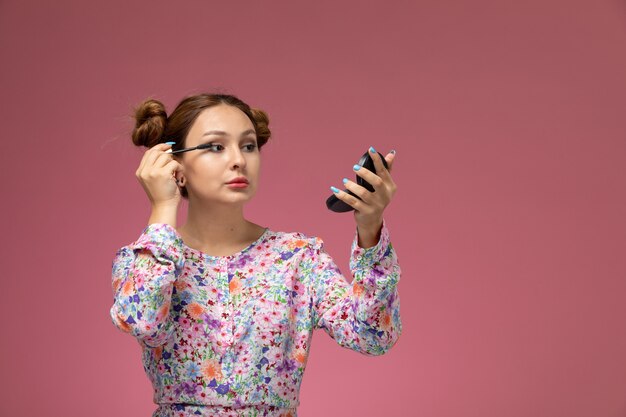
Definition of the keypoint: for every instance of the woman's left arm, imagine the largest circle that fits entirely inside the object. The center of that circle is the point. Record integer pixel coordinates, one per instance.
(364, 315)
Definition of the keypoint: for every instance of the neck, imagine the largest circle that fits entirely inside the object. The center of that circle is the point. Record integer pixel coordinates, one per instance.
(214, 226)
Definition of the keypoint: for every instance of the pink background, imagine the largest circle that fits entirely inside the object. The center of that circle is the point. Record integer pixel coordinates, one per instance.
(509, 119)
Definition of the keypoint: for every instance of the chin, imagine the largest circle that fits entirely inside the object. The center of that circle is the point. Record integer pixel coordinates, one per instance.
(238, 196)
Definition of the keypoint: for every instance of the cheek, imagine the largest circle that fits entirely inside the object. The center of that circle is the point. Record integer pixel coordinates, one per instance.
(205, 172)
(210, 167)
(254, 164)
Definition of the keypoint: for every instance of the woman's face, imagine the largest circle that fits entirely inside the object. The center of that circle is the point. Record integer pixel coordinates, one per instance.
(234, 154)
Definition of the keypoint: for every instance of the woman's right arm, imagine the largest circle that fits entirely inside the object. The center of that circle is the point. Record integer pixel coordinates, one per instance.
(144, 271)
(143, 276)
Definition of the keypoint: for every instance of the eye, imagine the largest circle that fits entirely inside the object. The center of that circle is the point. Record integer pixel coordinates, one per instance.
(211, 146)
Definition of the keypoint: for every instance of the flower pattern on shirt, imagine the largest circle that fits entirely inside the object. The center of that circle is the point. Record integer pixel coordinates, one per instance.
(233, 333)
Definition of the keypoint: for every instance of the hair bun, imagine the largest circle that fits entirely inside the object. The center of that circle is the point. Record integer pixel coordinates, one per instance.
(261, 121)
(260, 116)
(151, 119)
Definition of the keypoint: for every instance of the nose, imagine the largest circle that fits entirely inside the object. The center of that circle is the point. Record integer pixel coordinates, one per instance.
(237, 159)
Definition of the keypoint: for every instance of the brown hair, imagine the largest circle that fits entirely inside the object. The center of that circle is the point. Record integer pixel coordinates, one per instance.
(153, 126)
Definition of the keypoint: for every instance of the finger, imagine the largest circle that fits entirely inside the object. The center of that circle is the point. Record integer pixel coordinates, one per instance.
(363, 193)
(151, 154)
(173, 167)
(390, 157)
(348, 199)
(381, 171)
(368, 176)
(162, 159)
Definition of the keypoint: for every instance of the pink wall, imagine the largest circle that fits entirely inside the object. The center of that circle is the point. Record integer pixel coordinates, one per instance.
(509, 119)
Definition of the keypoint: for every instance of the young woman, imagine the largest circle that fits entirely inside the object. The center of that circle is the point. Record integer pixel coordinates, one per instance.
(223, 308)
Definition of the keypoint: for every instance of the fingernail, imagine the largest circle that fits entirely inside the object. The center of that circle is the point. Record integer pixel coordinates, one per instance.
(345, 180)
(372, 150)
(170, 143)
(335, 190)
(356, 167)
(168, 151)
(393, 151)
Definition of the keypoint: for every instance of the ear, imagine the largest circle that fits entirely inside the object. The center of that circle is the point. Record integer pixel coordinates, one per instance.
(181, 181)
(179, 176)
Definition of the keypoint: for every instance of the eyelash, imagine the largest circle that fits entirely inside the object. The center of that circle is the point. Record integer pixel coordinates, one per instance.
(252, 145)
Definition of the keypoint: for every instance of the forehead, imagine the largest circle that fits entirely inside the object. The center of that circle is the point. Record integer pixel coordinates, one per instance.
(221, 117)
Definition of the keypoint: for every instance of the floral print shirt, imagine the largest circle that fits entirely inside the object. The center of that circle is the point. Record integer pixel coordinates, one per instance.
(230, 335)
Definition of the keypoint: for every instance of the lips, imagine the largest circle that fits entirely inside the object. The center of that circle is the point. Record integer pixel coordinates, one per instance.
(238, 180)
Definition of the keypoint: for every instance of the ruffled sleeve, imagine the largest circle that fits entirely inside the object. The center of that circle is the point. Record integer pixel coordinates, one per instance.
(143, 274)
(365, 315)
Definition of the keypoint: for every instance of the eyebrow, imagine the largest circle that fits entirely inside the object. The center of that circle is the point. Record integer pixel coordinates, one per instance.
(222, 133)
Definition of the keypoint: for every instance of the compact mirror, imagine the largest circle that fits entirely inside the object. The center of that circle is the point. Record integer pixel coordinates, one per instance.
(335, 204)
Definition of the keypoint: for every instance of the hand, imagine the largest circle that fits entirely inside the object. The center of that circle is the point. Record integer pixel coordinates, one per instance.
(368, 212)
(156, 173)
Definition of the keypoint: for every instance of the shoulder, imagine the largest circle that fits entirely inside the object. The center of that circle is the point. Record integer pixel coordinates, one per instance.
(297, 240)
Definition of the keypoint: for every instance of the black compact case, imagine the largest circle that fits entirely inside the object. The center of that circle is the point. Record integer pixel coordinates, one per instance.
(335, 204)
